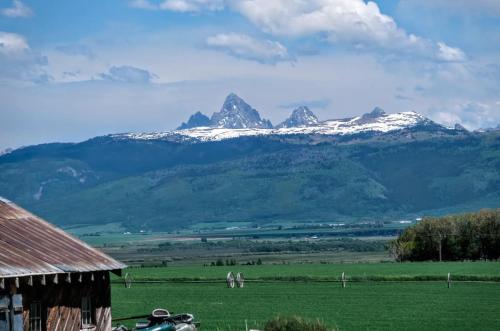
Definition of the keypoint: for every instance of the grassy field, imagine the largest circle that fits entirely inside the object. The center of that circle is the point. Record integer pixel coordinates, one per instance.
(360, 306)
(323, 271)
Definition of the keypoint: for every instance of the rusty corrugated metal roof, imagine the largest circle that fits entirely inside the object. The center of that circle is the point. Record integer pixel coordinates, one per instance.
(32, 246)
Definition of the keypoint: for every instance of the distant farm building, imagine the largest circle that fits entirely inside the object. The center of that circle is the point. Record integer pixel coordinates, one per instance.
(49, 280)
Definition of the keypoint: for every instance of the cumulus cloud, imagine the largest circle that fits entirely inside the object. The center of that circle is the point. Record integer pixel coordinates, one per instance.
(179, 5)
(354, 23)
(18, 63)
(12, 43)
(353, 18)
(128, 74)
(18, 9)
(450, 54)
(246, 47)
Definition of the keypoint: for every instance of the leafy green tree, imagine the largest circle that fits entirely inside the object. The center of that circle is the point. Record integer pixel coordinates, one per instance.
(470, 236)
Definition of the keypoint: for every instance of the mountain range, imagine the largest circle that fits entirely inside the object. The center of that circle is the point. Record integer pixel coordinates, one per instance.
(238, 119)
(237, 167)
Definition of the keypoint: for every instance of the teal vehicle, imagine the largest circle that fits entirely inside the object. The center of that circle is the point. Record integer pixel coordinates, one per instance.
(161, 320)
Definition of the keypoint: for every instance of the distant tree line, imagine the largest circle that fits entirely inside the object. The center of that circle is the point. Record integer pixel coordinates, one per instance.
(472, 236)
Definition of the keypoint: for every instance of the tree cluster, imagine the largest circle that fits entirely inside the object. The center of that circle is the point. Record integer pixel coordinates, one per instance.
(472, 236)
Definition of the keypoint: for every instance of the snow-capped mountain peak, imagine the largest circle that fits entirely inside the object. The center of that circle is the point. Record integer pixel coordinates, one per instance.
(237, 114)
(375, 123)
(238, 119)
(300, 117)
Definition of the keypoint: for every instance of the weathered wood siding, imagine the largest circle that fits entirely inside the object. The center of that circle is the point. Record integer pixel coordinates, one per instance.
(61, 302)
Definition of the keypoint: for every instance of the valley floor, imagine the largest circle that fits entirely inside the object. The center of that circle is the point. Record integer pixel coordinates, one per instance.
(310, 290)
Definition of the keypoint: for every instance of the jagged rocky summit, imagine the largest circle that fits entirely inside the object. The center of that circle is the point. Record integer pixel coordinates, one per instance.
(234, 114)
(237, 114)
(238, 119)
(301, 116)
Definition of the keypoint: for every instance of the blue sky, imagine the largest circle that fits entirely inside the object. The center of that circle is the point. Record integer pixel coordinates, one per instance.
(71, 70)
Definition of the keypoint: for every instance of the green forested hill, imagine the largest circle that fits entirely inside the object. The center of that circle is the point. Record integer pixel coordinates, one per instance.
(165, 185)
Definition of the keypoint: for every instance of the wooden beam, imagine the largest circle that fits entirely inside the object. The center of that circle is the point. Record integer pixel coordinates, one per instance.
(43, 280)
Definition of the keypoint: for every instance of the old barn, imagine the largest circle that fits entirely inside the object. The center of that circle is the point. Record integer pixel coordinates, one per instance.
(50, 280)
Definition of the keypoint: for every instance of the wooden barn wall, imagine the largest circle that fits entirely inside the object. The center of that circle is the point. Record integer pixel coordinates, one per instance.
(61, 302)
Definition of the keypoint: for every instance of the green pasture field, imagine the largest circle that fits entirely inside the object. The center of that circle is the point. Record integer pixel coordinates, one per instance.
(359, 306)
(389, 270)
(304, 289)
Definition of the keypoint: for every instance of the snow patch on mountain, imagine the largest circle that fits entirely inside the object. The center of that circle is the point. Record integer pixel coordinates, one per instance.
(6, 151)
(382, 123)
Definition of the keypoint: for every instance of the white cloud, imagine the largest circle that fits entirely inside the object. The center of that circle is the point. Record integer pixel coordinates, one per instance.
(341, 19)
(450, 54)
(18, 63)
(354, 18)
(12, 43)
(243, 46)
(18, 9)
(180, 5)
(355, 23)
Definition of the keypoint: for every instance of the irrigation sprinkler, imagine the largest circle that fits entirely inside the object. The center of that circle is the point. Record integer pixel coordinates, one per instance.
(230, 279)
(343, 280)
(128, 280)
(240, 280)
(449, 280)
